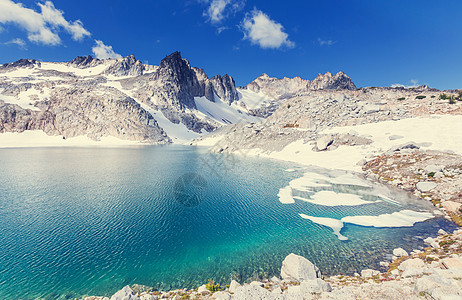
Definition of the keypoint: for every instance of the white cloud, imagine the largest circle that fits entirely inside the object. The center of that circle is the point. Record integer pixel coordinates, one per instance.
(55, 18)
(221, 29)
(218, 10)
(20, 42)
(102, 51)
(326, 42)
(41, 27)
(414, 83)
(262, 31)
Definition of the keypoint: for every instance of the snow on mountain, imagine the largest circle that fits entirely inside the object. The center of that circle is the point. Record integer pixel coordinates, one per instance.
(172, 102)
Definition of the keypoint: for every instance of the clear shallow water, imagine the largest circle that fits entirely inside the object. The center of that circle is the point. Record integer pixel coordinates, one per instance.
(88, 221)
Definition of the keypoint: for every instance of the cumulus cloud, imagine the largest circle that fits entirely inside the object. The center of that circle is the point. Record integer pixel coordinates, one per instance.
(19, 42)
(261, 30)
(322, 42)
(218, 10)
(102, 51)
(41, 27)
(414, 83)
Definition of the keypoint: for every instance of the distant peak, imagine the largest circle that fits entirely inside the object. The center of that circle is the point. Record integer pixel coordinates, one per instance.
(84, 61)
(174, 59)
(23, 63)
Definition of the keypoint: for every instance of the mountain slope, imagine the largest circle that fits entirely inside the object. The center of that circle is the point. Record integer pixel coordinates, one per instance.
(123, 98)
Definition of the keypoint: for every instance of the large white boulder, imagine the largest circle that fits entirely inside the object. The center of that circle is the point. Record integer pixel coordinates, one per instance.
(426, 186)
(233, 286)
(298, 268)
(202, 288)
(399, 252)
(125, 294)
(323, 142)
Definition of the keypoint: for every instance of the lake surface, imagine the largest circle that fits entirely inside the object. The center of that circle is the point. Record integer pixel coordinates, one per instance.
(87, 221)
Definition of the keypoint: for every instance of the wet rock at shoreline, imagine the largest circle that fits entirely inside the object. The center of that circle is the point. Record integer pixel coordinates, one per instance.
(298, 268)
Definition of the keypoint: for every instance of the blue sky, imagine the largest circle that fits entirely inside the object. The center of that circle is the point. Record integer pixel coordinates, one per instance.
(377, 43)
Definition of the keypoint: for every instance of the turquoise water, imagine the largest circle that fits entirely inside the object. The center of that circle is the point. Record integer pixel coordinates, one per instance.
(87, 221)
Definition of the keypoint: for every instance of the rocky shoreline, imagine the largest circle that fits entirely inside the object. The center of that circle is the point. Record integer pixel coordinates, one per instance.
(434, 175)
(432, 273)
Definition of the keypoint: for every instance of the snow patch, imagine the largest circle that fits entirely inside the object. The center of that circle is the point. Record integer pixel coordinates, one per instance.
(335, 224)
(285, 195)
(331, 198)
(404, 218)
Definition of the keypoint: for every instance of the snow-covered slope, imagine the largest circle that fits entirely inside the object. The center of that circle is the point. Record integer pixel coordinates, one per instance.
(175, 101)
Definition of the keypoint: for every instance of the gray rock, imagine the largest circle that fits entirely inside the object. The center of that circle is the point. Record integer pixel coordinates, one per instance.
(246, 292)
(430, 241)
(298, 268)
(407, 146)
(433, 169)
(125, 293)
(233, 286)
(149, 297)
(221, 295)
(324, 142)
(398, 252)
(442, 232)
(367, 273)
(315, 286)
(395, 137)
(426, 186)
(202, 289)
(370, 108)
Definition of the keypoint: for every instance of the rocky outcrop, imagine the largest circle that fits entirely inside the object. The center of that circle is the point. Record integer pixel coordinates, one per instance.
(225, 88)
(83, 62)
(22, 63)
(298, 268)
(126, 66)
(170, 89)
(81, 111)
(289, 87)
(339, 81)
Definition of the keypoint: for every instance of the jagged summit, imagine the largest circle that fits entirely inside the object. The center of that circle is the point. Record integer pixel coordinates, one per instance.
(84, 62)
(126, 66)
(22, 63)
(332, 82)
(287, 87)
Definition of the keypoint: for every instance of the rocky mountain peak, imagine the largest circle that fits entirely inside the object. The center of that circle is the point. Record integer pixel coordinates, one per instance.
(84, 62)
(332, 82)
(175, 63)
(126, 66)
(22, 63)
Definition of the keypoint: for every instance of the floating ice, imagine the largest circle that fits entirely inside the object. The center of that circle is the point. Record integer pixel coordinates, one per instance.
(331, 198)
(335, 224)
(285, 195)
(310, 180)
(404, 218)
(387, 199)
(350, 179)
